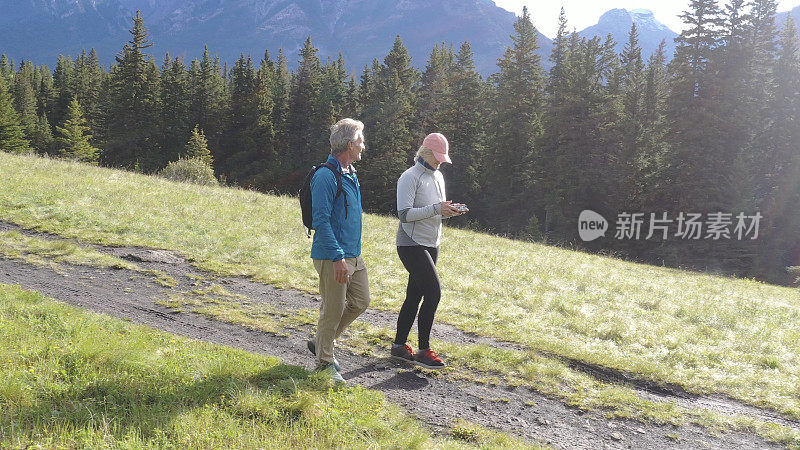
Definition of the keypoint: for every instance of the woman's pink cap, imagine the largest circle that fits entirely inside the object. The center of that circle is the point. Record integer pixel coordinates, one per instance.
(438, 144)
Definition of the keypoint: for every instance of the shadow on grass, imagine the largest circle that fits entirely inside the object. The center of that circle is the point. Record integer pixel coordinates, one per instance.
(146, 406)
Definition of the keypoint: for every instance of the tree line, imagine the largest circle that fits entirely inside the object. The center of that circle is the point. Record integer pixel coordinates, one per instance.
(715, 129)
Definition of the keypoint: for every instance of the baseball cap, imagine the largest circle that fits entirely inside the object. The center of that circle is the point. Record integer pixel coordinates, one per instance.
(438, 144)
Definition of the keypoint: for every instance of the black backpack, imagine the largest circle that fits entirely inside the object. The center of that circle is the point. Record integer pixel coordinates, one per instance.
(305, 195)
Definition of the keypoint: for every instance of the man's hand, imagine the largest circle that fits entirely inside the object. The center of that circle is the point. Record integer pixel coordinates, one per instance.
(448, 210)
(340, 272)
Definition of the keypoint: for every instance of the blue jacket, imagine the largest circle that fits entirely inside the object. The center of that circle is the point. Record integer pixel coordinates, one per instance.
(334, 237)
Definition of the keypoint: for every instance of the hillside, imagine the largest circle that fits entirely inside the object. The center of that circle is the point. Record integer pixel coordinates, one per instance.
(559, 322)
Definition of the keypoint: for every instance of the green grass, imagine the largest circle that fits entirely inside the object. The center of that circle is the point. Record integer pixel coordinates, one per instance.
(709, 334)
(95, 381)
(220, 304)
(51, 252)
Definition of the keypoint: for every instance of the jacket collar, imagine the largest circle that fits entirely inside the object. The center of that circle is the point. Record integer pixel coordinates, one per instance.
(332, 160)
(424, 166)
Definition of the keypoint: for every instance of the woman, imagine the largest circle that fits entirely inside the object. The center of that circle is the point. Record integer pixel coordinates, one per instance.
(421, 205)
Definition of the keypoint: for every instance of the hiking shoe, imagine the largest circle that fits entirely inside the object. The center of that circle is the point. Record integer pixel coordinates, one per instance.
(402, 353)
(428, 359)
(313, 349)
(329, 370)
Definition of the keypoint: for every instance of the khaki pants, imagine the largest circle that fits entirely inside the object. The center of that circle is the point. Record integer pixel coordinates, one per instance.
(341, 303)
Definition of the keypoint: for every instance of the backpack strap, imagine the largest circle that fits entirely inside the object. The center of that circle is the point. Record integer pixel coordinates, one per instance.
(338, 175)
(339, 188)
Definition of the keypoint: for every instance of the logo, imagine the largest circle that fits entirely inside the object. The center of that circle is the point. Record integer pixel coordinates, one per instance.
(591, 225)
(634, 226)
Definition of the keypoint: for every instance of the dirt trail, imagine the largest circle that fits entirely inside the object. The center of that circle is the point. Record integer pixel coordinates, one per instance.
(436, 400)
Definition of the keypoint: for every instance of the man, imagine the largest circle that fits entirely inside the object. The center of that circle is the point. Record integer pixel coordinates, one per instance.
(336, 248)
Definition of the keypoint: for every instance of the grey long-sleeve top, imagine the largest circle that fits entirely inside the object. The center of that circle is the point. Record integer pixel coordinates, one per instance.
(420, 192)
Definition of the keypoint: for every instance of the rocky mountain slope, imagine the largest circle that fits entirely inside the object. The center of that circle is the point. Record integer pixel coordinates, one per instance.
(40, 30)
(617, 23)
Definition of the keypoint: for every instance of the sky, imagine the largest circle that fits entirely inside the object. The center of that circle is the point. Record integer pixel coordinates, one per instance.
(583, 13)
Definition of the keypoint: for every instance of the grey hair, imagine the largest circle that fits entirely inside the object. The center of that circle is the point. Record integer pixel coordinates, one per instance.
(343, 132)
(424, 152)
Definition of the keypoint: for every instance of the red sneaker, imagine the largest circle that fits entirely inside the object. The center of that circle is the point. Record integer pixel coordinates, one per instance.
(404, 353)
(427, 358)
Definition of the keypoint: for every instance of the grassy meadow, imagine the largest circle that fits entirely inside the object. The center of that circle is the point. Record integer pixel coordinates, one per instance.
(709, 334)
(98, 382)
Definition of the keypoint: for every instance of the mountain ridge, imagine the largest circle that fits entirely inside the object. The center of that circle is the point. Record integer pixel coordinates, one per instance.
(617, 22)
(360, 29)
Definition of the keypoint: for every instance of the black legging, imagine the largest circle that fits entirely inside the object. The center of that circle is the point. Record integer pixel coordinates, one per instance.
(423, 281)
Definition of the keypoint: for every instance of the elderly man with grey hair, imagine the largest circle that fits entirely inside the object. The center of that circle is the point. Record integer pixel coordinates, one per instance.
(336, 248)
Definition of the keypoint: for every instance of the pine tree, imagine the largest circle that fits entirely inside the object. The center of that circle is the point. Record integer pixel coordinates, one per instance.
(86, 81)
(333, 91)
(462, 123)
(264, 131)
(62, 89)
(209, 101)
(12, 134)
(368, 91)
(352, 106)
(305, 144)
(558, 58)
(694, 163)
(556, 121)
(226, 81)
(388, 119)
(103, 135)
(582, 135)
(42, 139)
(760, 85)
(518, 106)
(250, 132)
(132, 105)
(174, 95)
(6, 68)
(764, 43)
(73, 136)
(240, 140)
(432, 91)
(778, 193)
(737, 107)
(698, 166)
(280, 93)
(331, 101)
(632, 83)
(696, 46)
(649, 161)
(197, 147)
(44, 91)
(24, 98)
(632, 123)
